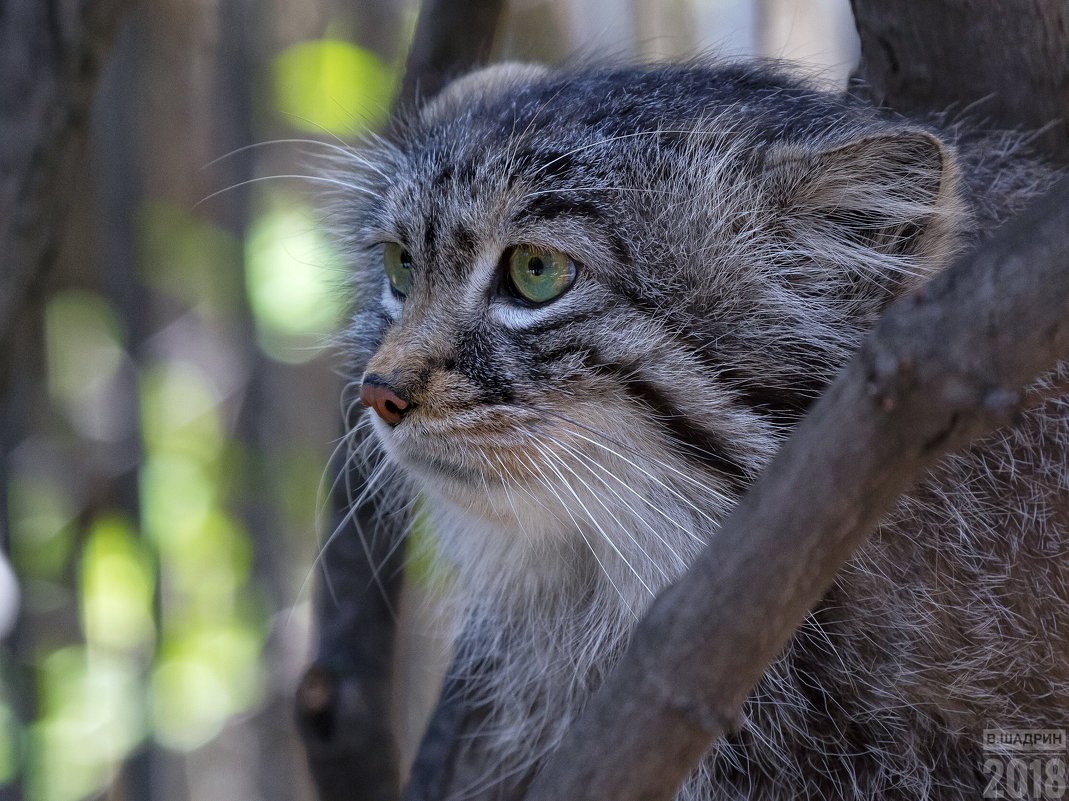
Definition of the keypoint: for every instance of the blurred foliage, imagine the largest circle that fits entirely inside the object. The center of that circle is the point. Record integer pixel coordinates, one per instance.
(41, 535)
(295, 283)
(189, 259)
(83, 354)
(333, 87)
(90, 718)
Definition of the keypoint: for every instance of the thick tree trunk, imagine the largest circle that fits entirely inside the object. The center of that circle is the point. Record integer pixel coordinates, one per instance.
(51, 56)
(1007, 62)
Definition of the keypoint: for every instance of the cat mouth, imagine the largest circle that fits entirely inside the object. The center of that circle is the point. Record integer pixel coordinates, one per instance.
(483, 449)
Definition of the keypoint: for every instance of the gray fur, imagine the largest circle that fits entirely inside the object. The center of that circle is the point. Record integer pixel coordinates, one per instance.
(736, 233)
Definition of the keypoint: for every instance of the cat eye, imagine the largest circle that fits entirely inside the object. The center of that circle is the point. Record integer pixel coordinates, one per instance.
(539, 276)
(398, 266)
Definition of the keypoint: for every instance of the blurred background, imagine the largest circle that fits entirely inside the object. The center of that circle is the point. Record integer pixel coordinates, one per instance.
(174, 396)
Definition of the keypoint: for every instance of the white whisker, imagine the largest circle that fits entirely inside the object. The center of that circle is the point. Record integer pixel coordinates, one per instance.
(604, 535)
(320, 179)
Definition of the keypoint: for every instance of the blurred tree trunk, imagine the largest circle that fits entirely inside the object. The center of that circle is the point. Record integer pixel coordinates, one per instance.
(118, 194)
(239, 61)
(50, 58)
(452, 36)
(51, 55)
(1008, 61)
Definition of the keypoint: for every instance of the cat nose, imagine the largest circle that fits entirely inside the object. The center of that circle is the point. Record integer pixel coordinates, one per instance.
(376, 394)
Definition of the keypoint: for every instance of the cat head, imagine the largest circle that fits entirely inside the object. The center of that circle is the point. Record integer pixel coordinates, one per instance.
(586, 293)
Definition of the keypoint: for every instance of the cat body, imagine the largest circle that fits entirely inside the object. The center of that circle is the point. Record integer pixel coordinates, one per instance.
(591, 306)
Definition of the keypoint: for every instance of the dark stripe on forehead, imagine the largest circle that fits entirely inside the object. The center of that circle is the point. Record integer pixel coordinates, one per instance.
(552, 204)
(464, 240)
(546, 164)
(443, 176)
(430, 235)
(459, 172)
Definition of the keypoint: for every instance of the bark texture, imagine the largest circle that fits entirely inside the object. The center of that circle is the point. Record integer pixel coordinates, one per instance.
(941, 368)
(1006, 63)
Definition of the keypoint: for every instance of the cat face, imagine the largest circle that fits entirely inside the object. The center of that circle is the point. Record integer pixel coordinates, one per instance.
(519, 367)
(588, 295)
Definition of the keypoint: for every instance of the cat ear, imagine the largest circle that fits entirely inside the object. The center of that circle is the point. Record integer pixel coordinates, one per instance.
(891, 193)
(482, 85)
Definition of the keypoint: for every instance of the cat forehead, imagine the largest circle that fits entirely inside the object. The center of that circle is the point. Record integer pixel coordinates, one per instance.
(512, 142)
(467, 183)
(516, 122)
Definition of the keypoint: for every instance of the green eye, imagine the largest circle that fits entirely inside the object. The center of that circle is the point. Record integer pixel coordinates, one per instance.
(398, 265)
(539, 276)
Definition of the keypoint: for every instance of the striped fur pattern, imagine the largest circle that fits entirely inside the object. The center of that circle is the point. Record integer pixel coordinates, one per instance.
(735, 234)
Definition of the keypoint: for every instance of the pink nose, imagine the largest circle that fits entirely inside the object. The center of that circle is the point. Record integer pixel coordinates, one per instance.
(388, 405)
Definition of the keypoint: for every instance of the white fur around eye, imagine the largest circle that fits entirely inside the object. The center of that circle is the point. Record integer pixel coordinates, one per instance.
(512, 314)
(390, 302)
(516, 317)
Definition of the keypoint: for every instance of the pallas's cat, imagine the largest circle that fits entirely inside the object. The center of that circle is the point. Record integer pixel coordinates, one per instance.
(590, 307)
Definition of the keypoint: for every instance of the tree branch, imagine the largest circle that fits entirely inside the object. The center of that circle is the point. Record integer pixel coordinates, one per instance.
(943, 366)
(343, 697)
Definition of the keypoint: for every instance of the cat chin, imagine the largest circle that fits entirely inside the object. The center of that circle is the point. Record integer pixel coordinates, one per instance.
(510, 513)
(509, 553)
